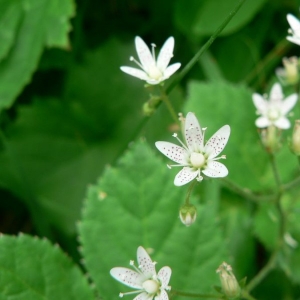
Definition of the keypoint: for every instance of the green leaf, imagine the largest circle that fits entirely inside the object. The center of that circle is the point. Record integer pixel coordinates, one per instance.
(33, 269)
(136, 203)
(200, 18)
(33, 24)
(219, 103)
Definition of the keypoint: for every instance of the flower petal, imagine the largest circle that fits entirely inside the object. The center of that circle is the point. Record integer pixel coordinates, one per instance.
(128, 277)
(294, 23)
(293, 39)
(288, 103)
(217, 142)
(276, 94)
(162, 296)
(165, 54)
(193, 133)
(142, 296)
(262, 122)
(171, 69)
(135, 72)
(164, 275)
(185, 175)
(260, 103)
(145, 263)
(144, 54)
(215, 169)
(282, 123)
(172, 151)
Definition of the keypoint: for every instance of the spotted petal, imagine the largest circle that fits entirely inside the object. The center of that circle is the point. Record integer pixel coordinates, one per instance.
(215, 169)
(162, 296)
(135, 72)
(145, 263)
(164, 275)
(143, 296)
(172, 151)
(193, 133)
(165, 54)
(171, 70)
(260, 103)
(128, 277)
(144, 54)
(288, 103)
(217, 142)
(185, 175)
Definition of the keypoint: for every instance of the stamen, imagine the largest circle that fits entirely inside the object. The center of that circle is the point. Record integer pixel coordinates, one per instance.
(130, 293)
(131, 58)
(183, 145)
(220, 157)
(134, 266)
(170, 166)
(153, 51)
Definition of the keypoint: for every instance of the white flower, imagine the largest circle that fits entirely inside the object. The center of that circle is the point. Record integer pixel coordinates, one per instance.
(273, 112)
(153, 71)
(144, 279)
(195, 157)
(294, 30)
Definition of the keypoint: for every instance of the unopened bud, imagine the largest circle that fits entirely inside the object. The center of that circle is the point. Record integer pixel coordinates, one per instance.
(150, 106)
(188, 214)
(270, 138)
(295, 141)
(289, 74)
(230, 286)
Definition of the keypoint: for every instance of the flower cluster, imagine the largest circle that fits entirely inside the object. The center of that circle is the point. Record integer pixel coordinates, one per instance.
(153, 71)
(195, 157)
(144, 279)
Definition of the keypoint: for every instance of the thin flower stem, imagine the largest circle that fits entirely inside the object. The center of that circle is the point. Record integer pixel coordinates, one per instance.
(262, 273)
(169, 105)
(187, 198)
(269, 60)
(246, 295)
(196, 57)
(275, 171)
(192, 295)
(291, 184)
(245, 193)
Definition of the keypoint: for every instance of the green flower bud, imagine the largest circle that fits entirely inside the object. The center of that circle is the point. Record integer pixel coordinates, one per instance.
(271, 138)
(230, 286)
(289, 74)
(188, 214)
(295, 141)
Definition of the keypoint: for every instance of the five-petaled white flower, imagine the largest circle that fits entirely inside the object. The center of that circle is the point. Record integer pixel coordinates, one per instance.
(294, 30)
(195, 157)
(273, 112)
(153, 71)
(148, 283)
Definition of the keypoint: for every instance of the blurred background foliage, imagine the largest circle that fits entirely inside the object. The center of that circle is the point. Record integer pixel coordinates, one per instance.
(67, 111)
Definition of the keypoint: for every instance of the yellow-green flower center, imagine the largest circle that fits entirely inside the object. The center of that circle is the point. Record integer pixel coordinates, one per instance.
(154, 73)
(151, 286)
(197, 160)
(273, 114)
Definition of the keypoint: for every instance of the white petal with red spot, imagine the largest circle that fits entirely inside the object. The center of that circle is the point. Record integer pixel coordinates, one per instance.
(145, 263)
(127, 277)
(192, 131)
(172, 151)
(186, 175)
(217, 142)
